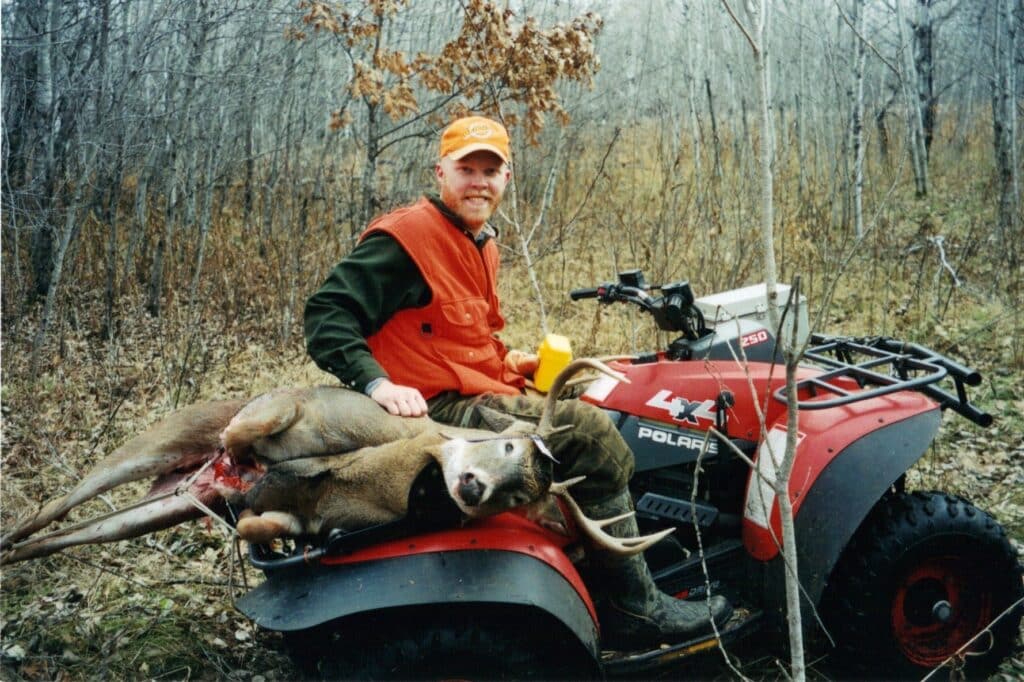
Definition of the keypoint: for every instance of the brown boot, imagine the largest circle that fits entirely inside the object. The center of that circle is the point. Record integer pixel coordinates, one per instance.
(633, 612)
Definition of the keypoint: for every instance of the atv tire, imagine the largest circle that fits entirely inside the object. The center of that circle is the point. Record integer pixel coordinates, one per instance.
(466, 642)
(924, 574)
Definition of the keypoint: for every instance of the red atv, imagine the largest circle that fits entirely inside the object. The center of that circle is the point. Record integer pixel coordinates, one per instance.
(901, 579)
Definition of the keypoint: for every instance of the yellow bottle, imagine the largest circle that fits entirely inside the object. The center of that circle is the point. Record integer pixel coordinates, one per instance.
(555, 352)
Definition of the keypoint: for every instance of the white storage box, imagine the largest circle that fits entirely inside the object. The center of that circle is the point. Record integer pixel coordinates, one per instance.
(751, 303)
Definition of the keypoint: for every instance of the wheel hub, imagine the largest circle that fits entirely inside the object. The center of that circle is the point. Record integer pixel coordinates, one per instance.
(942, 610)
(933, 612)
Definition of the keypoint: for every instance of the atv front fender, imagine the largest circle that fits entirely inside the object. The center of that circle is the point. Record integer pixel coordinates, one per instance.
(841, 497)
(306, 597)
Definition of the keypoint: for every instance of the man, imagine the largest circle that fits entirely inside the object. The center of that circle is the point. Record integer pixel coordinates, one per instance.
(410, 316)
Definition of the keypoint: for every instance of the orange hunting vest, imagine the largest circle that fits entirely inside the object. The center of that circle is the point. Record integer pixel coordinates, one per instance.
(448, 345)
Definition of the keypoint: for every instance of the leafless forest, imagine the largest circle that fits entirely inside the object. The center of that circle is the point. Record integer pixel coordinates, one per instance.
(179, 175)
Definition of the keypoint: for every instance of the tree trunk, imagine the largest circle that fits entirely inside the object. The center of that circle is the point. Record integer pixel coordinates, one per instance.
(110, 215)
(173, 154)
(715, 139)
(757, 35)
(1004, 129)
(798, 114)
(857, 122)
(924, 65)
(46, 101)
(915, 123)
(370, 203)
(67, 233)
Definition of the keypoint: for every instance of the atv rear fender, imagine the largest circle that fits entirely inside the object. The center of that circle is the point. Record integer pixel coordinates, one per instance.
(829, 508)
(501, 560)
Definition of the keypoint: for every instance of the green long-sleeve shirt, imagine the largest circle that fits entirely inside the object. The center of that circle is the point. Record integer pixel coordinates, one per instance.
(365, 290)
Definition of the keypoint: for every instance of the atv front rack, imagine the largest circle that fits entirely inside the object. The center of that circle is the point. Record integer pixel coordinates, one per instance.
(885, 365)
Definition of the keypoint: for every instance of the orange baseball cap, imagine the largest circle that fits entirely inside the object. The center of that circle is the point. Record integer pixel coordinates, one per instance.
(474, 134)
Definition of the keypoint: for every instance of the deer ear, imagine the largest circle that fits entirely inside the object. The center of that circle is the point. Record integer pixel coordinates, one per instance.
(493, 420)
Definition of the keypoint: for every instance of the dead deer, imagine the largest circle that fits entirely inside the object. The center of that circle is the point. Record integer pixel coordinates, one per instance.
(276, 427)
(484, 472)
(273, 427)
(371, 486)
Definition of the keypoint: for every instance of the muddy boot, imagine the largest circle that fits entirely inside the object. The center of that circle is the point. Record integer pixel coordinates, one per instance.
(633, 612)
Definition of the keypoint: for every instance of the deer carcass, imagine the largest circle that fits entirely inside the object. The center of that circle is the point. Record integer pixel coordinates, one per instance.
(274, 428)
(484, 473)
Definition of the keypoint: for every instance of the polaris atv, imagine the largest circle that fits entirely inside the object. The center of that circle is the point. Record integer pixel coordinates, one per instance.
(903, 580)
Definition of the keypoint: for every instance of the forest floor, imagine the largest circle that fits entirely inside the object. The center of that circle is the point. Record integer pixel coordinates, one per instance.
(161, 606)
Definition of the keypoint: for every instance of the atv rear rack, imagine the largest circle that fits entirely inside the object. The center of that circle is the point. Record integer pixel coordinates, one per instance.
(911, 367)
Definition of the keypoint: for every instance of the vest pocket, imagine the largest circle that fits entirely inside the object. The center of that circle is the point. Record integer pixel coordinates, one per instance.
(466, 321)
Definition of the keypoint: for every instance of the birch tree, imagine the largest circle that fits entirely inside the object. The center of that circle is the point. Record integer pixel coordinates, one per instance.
(857, 117)
(754, 25)
(1007, 23)
(915, 121)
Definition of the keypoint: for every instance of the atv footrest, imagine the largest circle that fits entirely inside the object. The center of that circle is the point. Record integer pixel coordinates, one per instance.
(630, 663)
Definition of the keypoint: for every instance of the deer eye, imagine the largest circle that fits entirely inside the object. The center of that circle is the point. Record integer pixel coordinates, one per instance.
(509, 448)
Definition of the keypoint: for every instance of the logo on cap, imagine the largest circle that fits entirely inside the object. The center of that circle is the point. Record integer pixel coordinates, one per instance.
(480, 131)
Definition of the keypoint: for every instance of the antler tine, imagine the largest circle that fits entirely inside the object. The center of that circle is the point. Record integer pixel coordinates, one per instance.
(594, 528)
(574, 367)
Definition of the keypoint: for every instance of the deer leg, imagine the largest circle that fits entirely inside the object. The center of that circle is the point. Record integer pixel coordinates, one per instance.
(154, 516)
(268, 414)
(262, 528)
(182, 439)
(119, 468)
(162, 508)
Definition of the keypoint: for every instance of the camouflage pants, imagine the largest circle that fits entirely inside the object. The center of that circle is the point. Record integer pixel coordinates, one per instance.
(594, 448)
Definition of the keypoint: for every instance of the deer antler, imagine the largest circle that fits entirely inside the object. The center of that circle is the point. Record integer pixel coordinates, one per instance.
(594, 529)
(544, 427)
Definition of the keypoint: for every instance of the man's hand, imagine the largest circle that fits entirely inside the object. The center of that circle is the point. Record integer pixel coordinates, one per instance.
(522, 363)
(402, 401)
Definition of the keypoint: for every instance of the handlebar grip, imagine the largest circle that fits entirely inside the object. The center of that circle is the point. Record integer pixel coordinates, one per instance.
(588, 292)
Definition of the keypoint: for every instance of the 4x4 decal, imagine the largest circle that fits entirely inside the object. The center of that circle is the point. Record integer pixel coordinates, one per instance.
(683, 410)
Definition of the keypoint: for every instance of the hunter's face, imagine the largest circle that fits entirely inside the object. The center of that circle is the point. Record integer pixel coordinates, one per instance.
(472, 186)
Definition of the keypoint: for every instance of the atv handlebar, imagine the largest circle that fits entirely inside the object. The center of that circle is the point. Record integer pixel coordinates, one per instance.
(672, 311)
(589, 292)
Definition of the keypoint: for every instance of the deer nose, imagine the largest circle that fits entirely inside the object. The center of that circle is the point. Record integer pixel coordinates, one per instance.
(471, 489)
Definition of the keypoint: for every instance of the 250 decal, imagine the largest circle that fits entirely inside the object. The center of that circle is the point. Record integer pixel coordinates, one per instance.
(755, 338)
